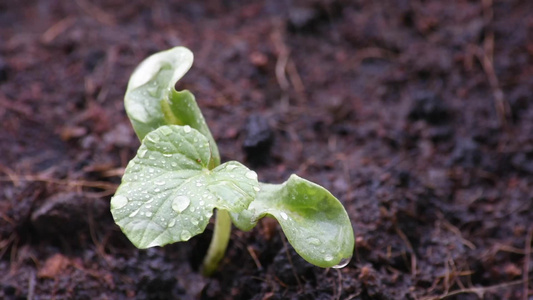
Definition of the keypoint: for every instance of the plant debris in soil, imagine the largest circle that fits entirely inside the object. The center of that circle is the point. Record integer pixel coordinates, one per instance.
(417, 115)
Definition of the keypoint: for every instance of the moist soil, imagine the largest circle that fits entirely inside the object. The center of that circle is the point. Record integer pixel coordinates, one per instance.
(417, 115)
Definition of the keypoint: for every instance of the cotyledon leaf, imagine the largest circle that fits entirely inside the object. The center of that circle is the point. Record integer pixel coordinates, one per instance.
(168, 193)
(314, 221)
(152, 101)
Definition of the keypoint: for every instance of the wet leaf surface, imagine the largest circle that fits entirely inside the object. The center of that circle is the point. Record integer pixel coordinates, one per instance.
(168, 193)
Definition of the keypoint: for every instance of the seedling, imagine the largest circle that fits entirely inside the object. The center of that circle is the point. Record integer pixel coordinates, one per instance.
(172, 186)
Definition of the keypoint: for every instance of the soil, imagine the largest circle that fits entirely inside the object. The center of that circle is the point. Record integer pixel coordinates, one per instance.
(417, 115)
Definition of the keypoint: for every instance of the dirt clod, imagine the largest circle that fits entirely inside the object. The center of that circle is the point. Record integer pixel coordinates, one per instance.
(258, 139)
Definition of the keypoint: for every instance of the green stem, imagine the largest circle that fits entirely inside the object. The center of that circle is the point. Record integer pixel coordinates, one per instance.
(219, 243)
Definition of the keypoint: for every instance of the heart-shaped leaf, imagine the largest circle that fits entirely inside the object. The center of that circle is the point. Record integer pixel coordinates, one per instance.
(168, 193)
(314, 221)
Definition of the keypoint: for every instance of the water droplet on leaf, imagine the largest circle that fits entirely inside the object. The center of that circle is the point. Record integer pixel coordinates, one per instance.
(171, 223)
(165, 130)
(314, 241)
(343, 263)
(180, 203)
(328, 257)
(142, 152)
(187, 128)
(152, 91)
(251, 175)
(284, 215)
(185, 235)
(119, 201)
(133, 214)
(154, 138)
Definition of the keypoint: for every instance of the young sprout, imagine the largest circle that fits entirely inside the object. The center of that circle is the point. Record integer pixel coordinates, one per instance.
(172, 186)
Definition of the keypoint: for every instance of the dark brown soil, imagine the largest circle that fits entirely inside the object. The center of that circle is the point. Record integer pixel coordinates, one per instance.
(417, 115)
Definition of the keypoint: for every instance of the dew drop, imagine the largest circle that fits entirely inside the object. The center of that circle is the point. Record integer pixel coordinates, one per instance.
(142, 152)
(251, 175)
(185, 235)
(343, 263)
(171, 223)
(159, 182)
(180, 203)
(119, 201)
(231, 167)
(187, 128)
(148, 214)
(134, 213)
(153, 138)
(284, 215)
(314, 241)
(167, 155)
(152, 91)
(194, 221)
(328, 257)
(165, 130)
(202, 202)
(257, 189)
(173, 164)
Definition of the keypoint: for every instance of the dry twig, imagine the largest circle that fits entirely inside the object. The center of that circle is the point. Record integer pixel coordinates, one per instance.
(525, 274)
(55, 30)
(289, 258)
(109, 188)
(96, 12)
(410, 247)
(486, 58)
(479, 291)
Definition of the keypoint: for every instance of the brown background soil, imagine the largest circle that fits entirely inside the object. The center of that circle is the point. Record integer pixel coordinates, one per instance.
(417, 115)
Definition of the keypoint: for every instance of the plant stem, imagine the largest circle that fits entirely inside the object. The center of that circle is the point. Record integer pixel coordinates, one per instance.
(219, 243)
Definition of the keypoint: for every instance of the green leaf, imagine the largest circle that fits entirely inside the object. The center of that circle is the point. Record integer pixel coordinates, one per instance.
(168, 193)
(314, 221)
(152, 101)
